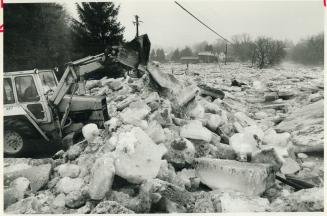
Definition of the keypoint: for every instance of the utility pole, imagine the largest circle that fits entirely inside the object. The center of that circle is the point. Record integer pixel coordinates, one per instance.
(137, 23)
(226, 54)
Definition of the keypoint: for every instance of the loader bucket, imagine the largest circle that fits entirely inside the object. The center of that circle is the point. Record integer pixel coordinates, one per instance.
(135, 52)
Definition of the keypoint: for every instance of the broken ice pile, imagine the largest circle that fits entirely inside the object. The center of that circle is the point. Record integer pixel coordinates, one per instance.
(172, 145)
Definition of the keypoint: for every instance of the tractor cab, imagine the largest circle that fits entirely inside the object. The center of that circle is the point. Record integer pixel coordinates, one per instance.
(29, 90)
(30, 114)
(27, 114)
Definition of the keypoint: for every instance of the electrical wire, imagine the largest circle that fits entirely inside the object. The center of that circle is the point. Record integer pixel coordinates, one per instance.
(202, 22)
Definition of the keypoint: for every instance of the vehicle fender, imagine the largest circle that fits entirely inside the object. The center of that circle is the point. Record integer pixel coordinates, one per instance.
(18, 112)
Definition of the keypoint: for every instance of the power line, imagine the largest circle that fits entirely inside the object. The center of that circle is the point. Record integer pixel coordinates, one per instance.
(199, 13)
(202, 22)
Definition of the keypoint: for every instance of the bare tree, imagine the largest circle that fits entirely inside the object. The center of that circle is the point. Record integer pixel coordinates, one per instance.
(219, 45)
(268, 52)
(242, 47)
(200, 47)
(309, 51)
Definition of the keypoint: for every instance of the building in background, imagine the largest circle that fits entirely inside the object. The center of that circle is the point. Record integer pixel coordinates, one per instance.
(189, 60)
(207, 57)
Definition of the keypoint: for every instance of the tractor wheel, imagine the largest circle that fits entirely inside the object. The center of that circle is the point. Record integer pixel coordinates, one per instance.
(17, 137)
(14, 144)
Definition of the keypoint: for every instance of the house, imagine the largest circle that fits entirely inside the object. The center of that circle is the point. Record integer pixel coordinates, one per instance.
(207, 57)
(189, 60)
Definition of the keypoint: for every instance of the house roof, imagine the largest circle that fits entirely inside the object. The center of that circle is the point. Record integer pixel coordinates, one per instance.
(206, 54)
(189, 58)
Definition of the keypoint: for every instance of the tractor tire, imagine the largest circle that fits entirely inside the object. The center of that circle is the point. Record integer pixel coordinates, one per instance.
(22, 126)
(14, 144)
(17, 134)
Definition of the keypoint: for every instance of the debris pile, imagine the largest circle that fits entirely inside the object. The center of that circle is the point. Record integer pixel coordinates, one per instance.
(178, 145)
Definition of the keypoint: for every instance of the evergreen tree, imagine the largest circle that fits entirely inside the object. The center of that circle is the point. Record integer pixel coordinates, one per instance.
(161, 57)
(153, 56)
(176, 56)
(36, 36)
(186, 52)
(97, 28)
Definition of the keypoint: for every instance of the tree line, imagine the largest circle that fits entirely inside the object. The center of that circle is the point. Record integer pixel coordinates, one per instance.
(45, 36)
(161, 56)
(265, 51)
(309, 50)
(261, 52)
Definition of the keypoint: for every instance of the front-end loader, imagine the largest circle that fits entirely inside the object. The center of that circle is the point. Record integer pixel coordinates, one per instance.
(38, 107)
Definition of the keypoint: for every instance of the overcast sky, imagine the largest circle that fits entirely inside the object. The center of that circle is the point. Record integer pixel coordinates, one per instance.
(169, 26)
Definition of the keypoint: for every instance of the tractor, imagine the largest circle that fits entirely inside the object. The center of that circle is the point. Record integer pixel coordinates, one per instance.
(39, 109)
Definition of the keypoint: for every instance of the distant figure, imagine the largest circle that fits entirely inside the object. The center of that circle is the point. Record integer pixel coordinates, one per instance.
(186, 70)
